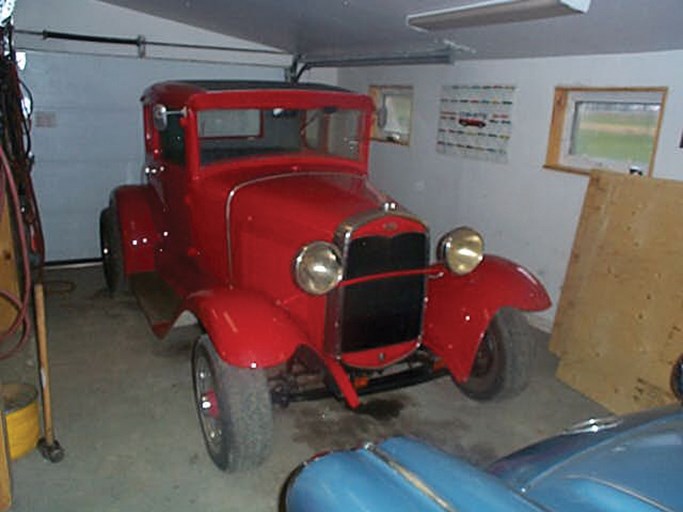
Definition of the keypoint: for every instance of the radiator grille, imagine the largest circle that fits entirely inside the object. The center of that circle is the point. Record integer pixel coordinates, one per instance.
(376, 254)
(383, 311)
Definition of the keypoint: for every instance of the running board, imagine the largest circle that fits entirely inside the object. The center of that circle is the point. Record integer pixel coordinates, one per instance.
(159, 302)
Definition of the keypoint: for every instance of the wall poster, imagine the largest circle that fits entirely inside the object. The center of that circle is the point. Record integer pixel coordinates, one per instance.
(474, 121)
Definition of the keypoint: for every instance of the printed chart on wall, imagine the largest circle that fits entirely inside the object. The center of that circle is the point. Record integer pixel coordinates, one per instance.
(474, 121)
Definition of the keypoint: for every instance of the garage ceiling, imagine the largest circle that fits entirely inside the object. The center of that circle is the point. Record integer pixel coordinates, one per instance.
(342, 28)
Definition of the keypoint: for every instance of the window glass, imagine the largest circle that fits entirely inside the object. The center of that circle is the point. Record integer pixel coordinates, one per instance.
(393, 118)
(399, 108)
(328, 131)
(334, 132)
(229, 123)
(173, 140)
(344, 129)
(612, 129)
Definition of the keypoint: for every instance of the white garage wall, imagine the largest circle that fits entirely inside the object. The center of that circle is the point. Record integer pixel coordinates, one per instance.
(87, 131)
(524, 212)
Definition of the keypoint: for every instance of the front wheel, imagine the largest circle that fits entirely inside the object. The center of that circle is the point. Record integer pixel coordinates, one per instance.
(234, 409)
(502, 365)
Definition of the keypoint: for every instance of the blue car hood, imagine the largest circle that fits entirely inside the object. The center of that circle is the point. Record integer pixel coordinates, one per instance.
(400, 474)
(634, 464)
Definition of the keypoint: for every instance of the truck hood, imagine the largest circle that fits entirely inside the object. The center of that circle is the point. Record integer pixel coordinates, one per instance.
(399, 474)
(309, 205)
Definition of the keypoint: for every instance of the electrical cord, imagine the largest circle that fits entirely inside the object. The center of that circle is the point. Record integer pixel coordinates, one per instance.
(17, 197)
(22, 319)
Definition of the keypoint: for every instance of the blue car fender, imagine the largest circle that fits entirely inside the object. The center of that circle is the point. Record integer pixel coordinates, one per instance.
(399, 474)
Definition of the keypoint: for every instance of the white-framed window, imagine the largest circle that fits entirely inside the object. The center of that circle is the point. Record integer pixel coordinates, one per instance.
(614, 129)
(393, 113)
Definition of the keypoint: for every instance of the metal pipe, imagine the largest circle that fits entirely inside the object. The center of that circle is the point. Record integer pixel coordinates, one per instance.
(140, 42)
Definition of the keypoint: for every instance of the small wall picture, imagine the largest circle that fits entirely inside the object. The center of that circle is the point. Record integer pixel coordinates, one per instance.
(474, 121)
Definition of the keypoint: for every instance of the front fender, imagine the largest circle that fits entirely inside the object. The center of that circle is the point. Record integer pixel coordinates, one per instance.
(139, 235)
(460, 308)
(399, 474)
(246, 329)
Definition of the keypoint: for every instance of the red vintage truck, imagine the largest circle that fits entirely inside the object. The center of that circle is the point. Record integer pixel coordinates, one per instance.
(257, 221)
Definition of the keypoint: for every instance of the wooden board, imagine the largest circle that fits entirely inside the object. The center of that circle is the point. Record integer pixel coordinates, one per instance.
(9, 280)
(619, 325)
(5, 473)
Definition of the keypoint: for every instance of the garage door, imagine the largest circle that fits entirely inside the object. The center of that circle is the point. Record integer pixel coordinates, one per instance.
(87, 135)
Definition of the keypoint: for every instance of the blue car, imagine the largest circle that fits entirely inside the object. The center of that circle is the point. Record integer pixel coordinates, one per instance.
(629, 463)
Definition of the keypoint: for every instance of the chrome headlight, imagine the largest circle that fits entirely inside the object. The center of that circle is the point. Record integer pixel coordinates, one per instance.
(461, 250)
(318, 268)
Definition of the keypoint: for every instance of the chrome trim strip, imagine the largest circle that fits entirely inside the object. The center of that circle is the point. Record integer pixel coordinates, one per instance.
(262, 179)
(332, 326)
(594, 425)
(381, 196)
(411, 477)
(76, 264)
(623, 490)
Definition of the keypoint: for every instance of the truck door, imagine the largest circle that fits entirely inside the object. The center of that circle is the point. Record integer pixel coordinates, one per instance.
(168, 176)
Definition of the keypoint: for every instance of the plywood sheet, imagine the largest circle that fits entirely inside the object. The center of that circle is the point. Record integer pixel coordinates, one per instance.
(619, 325)
(9, 281)
(5, 470)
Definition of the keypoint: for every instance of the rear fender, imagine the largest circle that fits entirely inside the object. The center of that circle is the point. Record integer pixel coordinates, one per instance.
(246, 329)
(139, 235)
(460, 308)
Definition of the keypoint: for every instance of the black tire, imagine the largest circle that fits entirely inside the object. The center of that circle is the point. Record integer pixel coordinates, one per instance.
(234, 409)
(111, 251)
(502, 365)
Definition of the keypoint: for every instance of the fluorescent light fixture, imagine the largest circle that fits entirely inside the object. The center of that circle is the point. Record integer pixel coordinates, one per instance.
(494, 11)
(441, 56)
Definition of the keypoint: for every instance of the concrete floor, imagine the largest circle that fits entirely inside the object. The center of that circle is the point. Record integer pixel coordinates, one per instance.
(124, 413)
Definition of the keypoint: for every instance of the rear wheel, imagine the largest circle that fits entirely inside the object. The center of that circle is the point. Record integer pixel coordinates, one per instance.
(111, 250)
(502, 365)
(234, 409)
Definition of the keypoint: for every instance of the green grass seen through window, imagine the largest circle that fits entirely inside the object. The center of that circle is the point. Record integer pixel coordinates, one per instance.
(626, 135)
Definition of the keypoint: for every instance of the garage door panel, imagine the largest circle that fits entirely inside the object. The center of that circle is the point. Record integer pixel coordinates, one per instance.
(87, 135)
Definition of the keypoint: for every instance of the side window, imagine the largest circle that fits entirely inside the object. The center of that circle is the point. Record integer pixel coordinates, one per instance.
(605, 128)
(173, 140)
(394, 110)
(333, 131)
(343, 130)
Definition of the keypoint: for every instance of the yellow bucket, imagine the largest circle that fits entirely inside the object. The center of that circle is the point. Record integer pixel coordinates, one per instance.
(22, 417)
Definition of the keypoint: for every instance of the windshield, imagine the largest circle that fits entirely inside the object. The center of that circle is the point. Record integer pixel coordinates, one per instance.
(235, 133)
